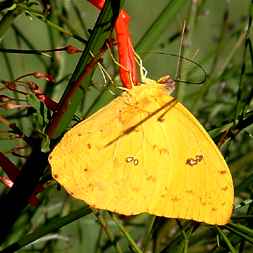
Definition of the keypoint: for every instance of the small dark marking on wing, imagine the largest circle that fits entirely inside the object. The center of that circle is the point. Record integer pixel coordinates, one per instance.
(136, 162)
(129, 159)
(91, 186)
(135, 189)
(151, 178)
(160, 150)
(132, 159)
(194, 161)
(224, 188)
(56, 176)
(175, 199)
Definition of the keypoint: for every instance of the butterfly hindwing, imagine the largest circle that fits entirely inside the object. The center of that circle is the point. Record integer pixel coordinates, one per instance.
(145, 152)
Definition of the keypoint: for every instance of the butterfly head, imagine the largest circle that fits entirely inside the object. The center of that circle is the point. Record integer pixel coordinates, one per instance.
(168, 82)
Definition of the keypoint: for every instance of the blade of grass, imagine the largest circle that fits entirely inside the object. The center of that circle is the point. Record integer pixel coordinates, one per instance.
(150, 37)
(52, 225)
(132, 243)
(108, 232)
(243, 89)
(148, 234)
(226, 240)
(242, 229)
(179, 243)
(238, 232)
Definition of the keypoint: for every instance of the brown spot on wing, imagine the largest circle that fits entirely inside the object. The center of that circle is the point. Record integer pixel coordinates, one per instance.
(199, 158)
(135, 189)
(151, 178)
(136, 161)
(175, 199)
(224, 188)
(161, 150)
(131, 159)
(91, 186)
(191, 162)
(194, 161)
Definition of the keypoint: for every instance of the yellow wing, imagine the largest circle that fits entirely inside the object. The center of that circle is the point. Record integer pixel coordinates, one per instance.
(145, 152)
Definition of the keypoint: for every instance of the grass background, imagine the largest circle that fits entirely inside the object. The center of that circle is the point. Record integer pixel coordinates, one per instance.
(218, 37)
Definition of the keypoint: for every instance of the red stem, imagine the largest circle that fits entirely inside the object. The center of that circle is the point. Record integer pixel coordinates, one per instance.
(12, 172)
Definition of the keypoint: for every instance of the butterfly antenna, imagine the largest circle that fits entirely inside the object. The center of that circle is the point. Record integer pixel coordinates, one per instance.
(188, 60)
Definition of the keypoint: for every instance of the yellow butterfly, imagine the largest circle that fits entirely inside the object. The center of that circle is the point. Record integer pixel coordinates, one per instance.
(145, 153)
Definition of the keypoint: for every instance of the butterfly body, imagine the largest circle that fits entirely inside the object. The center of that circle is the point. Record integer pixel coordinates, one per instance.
(145, 152)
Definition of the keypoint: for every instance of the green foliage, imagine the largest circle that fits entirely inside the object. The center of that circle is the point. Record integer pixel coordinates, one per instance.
(217, 35)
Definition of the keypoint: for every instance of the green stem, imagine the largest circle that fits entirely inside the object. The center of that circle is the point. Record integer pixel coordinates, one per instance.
(109, 233)
(81, 76)
(226, 240)
(133, 244)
